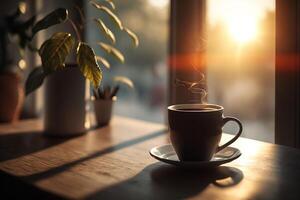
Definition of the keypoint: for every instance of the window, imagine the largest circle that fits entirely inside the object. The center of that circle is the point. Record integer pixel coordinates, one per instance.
(240, 67)
(241, 63)
(146, 66)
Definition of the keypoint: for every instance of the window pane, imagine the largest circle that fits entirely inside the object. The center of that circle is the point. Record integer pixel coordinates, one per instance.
(240, 68)
(146, 65)
(241, 63)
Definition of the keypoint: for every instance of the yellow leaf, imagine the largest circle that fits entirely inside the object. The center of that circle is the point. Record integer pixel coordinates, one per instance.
(106, 30)
(103, 61)
(115, 52)
(124, 80)
(54, 51)
(133, 36)
(22, 7)
(109, 12)
(88, 65)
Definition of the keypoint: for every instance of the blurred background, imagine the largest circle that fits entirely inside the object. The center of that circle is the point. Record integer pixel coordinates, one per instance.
(240, 69)
(240, 51)
(146, 66)
(241, 66)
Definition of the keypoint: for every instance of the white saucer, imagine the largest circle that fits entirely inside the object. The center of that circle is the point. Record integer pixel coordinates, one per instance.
(167, 154)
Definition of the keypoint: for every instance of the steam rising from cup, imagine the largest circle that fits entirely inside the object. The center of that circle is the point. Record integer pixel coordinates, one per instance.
(197, 87)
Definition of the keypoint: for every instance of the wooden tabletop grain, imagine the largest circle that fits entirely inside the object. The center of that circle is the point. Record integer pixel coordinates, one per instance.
(114, 163)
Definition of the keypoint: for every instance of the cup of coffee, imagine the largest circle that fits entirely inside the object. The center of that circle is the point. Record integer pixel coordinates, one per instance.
(196, 130)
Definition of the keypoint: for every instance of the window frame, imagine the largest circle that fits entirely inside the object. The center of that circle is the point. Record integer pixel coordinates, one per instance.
(287, 73)
(186, 51)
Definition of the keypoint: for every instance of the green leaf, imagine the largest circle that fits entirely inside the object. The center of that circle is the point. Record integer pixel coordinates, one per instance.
(103, 61)
(88, 65)
(54, 51)
(133, 36)
(56, 17)
(106, 30)
(34, 80)
(115, 52)
(124, 80)
(109, 12)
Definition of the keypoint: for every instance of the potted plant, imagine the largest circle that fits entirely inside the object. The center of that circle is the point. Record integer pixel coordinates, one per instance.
(104, 97)
(65, 82)
(13, 38)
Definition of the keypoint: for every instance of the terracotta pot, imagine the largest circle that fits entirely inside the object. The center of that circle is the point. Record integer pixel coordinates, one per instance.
(65, 110)
(11, 97)
(103, 111)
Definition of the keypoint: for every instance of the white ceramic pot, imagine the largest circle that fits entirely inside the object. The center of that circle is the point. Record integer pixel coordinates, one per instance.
(103, 111)
(65, 110)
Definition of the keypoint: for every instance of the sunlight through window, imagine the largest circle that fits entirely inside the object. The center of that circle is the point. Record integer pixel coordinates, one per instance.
(241, 57)
(243, 29)
(158, 3)
(241, 18)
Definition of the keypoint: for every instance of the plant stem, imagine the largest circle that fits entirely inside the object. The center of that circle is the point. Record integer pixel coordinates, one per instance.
(80, 14)
(75, 29)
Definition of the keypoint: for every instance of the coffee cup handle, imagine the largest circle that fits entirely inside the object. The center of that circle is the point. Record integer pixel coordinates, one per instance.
(225, 120)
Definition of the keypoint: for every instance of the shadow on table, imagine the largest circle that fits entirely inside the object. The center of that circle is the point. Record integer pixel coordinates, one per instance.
(160, 181)
(60, 169)
(15, 145)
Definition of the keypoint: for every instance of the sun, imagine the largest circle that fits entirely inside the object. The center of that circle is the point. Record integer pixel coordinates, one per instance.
(240, 17)
(242, 29)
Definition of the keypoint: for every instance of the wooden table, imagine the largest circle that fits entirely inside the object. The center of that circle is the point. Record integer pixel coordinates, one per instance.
(114, 163)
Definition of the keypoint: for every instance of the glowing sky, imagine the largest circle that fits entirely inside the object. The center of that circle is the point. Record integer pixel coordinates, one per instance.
(241, 17)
